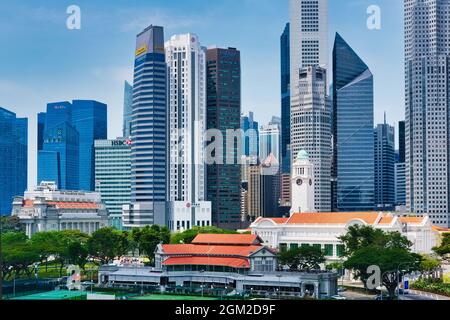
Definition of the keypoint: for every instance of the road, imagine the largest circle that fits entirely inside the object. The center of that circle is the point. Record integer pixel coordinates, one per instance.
(412, 296)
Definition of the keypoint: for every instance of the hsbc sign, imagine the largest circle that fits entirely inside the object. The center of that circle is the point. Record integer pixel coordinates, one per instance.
(120, 143)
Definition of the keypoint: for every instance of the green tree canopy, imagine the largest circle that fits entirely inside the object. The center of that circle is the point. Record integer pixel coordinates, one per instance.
(305, 258)
(106, 244)
(444, 249)
(148, 238)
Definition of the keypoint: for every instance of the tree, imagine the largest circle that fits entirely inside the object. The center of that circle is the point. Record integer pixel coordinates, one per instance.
(387, 259)
(106, 244)
(189, 235)
(50, 244)
(148, 238)
(444, 249)
(429, 264)
(17, 254)
(305, 258)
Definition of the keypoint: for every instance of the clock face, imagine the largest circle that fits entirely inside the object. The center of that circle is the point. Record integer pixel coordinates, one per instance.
(299, 182)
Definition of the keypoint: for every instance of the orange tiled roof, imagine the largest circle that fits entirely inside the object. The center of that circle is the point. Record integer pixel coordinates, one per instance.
(333, 217)
(205, 250)
(65, 205)
(440, 229)
(227, 239)
(386, 220)
(210, 261)
(411, 219)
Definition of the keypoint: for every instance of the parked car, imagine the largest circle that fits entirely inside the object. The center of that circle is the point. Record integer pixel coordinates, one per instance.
(338, 297)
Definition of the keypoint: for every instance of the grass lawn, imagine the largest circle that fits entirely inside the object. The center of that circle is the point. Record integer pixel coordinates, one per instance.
(172, 297)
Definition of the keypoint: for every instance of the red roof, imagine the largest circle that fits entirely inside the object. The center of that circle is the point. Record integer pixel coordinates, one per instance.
(65, 205)
(205, 250)
(208, 261)
(227, 239)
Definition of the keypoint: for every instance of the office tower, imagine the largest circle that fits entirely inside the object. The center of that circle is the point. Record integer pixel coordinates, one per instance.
(269, 141)
(224, 114)
(127, 110)
(113, 176)
(250, 140)
(89, 118)
(400, 184)
(384, 142)
(311, 130)
(149, 133)
(41, 128)
(186, 61)
(353, 125)
(58, 160)
(14, 158)
(308, 39)
(401, 142)
(427, 50)
(285, 101)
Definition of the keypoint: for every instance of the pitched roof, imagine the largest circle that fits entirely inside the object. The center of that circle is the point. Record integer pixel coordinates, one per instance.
(210, 261)
(417, 220)
(227, 239)
(333, 217)
(65, 205)
(206, 250)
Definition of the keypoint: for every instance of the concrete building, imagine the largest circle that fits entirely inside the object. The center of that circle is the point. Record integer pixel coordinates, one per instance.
(45, 208)
(113, 176)
(427, 51)
(323, 229)
(186, 62)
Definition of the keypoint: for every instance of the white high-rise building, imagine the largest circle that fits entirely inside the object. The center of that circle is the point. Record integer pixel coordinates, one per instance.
(308, 37)
(427, 63)
(186, 62)
(311, 131)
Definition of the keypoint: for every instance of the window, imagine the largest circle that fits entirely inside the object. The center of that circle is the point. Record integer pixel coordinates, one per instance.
(329, 250)
(340, 250)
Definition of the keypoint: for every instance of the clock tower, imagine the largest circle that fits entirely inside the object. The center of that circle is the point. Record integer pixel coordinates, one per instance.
(302, 184)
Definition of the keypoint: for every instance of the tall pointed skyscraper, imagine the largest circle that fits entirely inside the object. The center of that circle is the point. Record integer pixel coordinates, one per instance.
(353, 123)
(427, 63)
(127, 110)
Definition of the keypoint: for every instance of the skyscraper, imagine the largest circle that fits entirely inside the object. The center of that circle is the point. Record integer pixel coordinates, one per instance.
(149, 133)
(427, 51)
(285, 101)
(401, 142)
(113, 176)
(384, 142)
(400, 174)
(127, 110)
(308, 38)
(41, 128)
(224, 113)
(311, 130)
(353, 114)
(58, 159)
(269, 141)
(89, 118)
(250, 141)
(14, 155)
(186, 61)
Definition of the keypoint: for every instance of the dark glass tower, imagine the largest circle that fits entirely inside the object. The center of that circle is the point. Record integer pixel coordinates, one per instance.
(285, 101)
(401, 142)
(149, 132)
(384, 141)
(89, 118)
(41, 128)
(223, 113)
(14, 155)
(353, 130)
(127, 110)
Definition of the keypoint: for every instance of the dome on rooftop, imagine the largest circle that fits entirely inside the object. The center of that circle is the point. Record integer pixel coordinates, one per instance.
(303, 155)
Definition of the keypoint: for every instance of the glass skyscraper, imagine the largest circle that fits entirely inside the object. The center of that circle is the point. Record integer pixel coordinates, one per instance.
(127, 110)
(224, 113)
(285, 101)
(89, 118)
(41, 128)
(269, 141)
(384, 142)
(250, 141)
(14, 158)
(149, 132)
(353, 114)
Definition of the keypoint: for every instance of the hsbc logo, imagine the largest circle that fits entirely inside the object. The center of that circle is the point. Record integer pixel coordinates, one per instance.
(120, 143)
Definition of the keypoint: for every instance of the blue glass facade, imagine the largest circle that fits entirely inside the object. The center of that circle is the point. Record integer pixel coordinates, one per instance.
(13, 159)
(41, 127)
(353, 130)
(89, 118)
(285, 100)
(250, 147)
(127, 110)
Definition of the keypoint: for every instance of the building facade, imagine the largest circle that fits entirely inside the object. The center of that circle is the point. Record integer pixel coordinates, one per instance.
(113, 176)
(353, 140)
(250, 140)
(127, 110)
(186, 62)
(149, 133)
(269, 141)
(384, 142)
(311, 130)
(303, 184)
(285, 52)
(224, 114)
(14, 154)
(400, 184)
(427, 50)
(45, 208)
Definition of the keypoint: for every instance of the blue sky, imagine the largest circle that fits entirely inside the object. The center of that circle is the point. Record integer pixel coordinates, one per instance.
(42, 61)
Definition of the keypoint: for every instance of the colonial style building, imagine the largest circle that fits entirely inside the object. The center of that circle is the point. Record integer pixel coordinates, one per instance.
(323, 230)
(45, 208)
